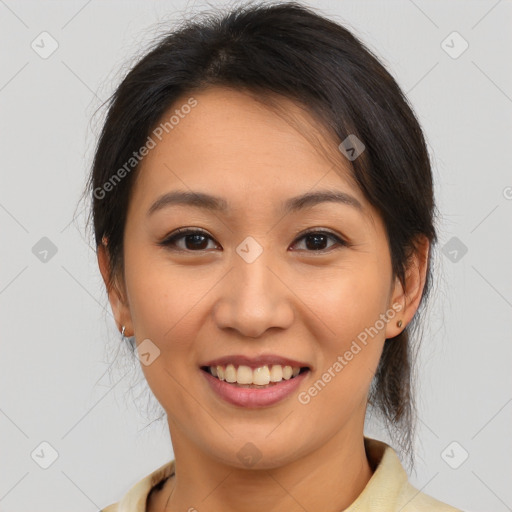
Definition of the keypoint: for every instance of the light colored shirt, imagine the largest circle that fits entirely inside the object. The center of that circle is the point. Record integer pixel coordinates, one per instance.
(388, 490)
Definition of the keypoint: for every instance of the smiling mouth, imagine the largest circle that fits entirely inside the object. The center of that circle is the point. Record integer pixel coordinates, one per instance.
(260, 378)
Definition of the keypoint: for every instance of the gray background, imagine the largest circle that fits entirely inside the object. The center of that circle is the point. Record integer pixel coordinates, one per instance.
(59, 379)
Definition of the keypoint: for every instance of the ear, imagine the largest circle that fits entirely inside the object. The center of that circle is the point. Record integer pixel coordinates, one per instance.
(405, 299)
(117, 299)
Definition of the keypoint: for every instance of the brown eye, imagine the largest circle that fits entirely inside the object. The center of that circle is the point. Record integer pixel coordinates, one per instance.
(194, 240)
(315, 241)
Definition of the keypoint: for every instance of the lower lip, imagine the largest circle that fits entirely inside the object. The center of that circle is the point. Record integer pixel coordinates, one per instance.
(253, 397)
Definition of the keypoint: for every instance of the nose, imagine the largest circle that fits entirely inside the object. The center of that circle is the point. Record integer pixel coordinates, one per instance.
(254, 298)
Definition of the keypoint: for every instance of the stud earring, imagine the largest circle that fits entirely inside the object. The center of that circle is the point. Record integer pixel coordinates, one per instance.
(129, 339)
(399, 323)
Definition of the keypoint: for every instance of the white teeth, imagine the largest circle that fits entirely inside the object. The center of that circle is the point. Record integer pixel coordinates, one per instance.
(261, 376)
(244, 375)
(276, 373)
(230, 373)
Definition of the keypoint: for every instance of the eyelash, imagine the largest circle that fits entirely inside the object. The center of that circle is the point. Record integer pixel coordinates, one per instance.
(169, 241)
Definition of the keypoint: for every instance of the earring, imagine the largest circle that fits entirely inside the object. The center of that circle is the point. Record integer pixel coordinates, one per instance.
(399, 323)
(129, 339)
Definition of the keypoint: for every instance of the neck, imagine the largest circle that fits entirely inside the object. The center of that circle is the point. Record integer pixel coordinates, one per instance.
(328, 479)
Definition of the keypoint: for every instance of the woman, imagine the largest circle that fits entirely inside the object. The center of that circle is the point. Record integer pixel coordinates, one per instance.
(264, 217)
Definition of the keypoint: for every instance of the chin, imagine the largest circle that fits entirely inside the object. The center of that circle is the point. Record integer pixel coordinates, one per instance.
(256, 451)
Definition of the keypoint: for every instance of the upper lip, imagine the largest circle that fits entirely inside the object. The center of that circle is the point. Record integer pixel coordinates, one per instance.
(255, 362)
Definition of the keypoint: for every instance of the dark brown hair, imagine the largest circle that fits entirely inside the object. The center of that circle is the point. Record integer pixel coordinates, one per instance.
(286, 50)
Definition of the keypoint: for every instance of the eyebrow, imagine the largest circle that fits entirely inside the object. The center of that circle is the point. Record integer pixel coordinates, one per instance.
(219, 204)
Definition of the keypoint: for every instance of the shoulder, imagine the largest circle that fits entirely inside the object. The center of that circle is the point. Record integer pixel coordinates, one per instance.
(389, 487)
(135, 500)
(411, 499)
(110, 508)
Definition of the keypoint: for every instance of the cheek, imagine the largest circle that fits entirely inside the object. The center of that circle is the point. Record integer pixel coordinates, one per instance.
(165, 306)
(349, 300)
(161, 295)
(349, 305)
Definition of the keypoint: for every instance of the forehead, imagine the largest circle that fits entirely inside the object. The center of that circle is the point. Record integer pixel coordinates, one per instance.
(232, 145)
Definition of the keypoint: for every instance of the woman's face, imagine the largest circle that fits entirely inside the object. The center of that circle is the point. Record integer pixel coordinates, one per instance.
(253, 285)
